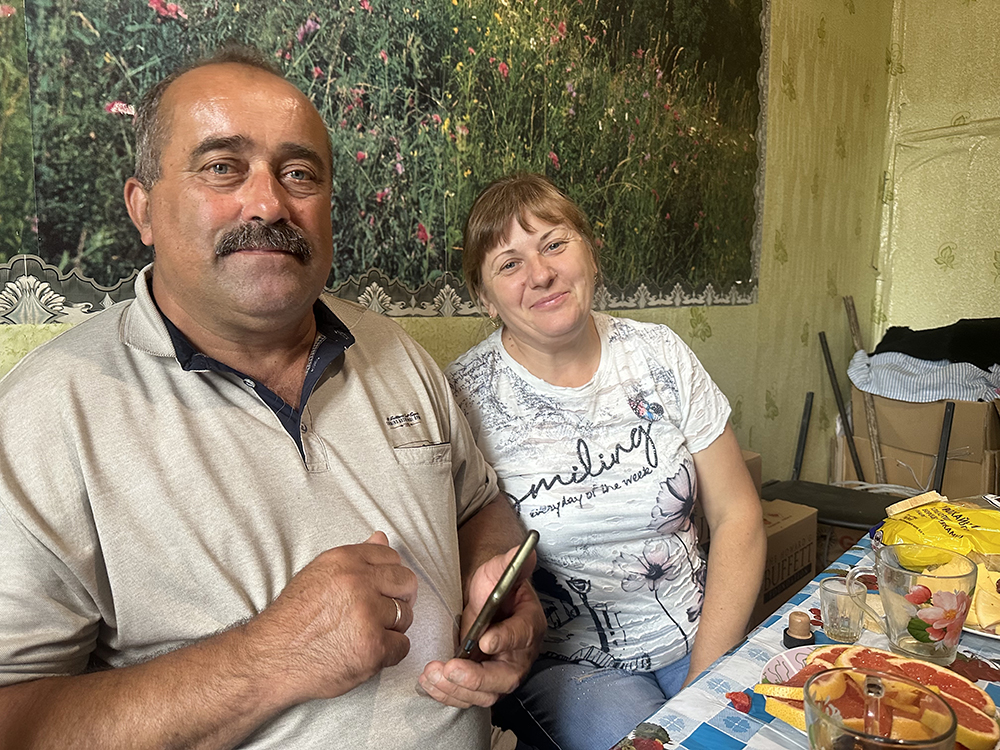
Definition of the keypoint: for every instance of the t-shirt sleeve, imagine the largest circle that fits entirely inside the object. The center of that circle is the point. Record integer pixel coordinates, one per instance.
(475, 481)
(704, 408)
(48, 623)
(49, 555)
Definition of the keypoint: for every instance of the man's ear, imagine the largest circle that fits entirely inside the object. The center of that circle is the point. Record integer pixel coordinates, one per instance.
(137, 203)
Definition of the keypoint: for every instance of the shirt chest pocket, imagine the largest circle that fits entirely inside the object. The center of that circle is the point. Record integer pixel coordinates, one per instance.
(435, 454)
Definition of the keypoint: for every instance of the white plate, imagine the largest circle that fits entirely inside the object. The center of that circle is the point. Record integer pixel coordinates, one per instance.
(983, 633)
(781, 667)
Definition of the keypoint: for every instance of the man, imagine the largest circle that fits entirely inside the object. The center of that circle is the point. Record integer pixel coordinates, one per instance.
(232, 514)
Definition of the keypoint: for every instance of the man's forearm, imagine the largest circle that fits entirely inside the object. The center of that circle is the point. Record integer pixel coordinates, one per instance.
(209, 695)
(332, 628)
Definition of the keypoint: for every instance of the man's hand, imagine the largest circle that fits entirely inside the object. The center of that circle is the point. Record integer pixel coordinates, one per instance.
(334, 626)
(510, 645)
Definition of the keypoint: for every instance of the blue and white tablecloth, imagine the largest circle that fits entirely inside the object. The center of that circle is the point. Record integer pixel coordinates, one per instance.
(700, 717)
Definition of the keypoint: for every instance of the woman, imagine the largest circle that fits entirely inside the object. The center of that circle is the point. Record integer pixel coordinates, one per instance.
(602, 430)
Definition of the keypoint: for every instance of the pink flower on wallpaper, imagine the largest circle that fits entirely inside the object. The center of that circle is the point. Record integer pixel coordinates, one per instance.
(383, 194)
(384, 55)
(168, 10)
(6, 11)
(365, 5)
(361, 156)
(317, 71)
(471, 51)
(504, 70)
(120, 108)
(554, 159)
(422, 234)
(307, 29)
(399, 167)
(436, 119)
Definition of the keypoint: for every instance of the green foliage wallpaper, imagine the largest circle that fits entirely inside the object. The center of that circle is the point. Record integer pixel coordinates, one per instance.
(17, 201)
(644, 111)
(766, 356)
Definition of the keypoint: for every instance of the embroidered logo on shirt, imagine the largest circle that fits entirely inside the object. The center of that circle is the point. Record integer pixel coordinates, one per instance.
(403, 420)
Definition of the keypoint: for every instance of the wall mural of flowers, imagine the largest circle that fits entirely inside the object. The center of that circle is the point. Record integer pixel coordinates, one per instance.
(647, 112)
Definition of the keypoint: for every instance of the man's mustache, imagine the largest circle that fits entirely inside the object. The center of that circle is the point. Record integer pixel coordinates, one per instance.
(255, 235)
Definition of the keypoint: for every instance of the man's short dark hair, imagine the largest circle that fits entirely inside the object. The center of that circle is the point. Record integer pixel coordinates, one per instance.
(151, 129)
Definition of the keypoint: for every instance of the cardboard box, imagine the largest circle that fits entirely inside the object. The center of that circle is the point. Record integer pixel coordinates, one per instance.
(962, 478)
(975, 427)
(791, 555)
(832, 542)
(753, 463)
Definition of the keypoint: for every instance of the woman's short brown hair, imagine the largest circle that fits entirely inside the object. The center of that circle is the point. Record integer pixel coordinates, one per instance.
(518, 196)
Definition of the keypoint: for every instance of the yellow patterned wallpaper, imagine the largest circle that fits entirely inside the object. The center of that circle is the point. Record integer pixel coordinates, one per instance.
(827, 126)
(940, 259)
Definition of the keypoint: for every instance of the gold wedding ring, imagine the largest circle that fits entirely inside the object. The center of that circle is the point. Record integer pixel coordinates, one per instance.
(399, 613)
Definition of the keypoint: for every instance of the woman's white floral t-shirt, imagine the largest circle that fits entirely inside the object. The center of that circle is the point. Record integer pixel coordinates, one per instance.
(605, 473)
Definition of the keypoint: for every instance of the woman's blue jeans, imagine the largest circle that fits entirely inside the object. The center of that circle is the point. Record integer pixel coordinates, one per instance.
(583, 707)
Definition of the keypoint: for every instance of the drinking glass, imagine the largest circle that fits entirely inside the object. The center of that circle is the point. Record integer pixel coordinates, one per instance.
(841, 608)
(926, 593)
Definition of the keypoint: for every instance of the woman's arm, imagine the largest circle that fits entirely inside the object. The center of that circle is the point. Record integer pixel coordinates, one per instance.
(736, 553)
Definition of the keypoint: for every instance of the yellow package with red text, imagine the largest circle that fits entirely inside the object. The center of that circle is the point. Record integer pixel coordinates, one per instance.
(968, 526)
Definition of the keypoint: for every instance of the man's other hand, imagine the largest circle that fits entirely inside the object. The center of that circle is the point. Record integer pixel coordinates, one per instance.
(510, 645)
(335, 625)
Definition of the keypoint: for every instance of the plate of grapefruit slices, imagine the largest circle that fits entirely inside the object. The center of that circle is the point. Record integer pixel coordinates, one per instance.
(783, 693)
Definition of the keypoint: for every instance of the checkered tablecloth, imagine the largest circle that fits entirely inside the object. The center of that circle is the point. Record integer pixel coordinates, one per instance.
(700, 717)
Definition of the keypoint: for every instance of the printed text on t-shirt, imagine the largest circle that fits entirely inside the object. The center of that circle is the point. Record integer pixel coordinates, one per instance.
(639, 437)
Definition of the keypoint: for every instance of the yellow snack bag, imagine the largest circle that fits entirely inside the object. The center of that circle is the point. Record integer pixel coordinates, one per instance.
(970, 526)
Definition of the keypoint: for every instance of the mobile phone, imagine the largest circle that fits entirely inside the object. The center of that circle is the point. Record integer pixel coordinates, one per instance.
(496, 597)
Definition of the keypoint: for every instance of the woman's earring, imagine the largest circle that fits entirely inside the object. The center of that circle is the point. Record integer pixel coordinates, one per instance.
(495, 321)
